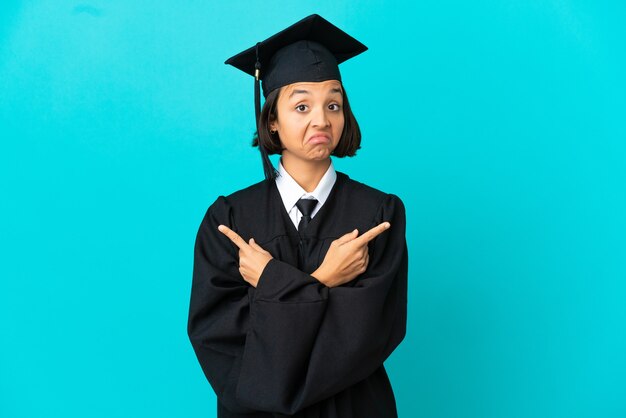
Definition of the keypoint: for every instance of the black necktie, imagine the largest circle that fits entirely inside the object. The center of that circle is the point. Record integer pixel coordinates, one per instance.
(305, 206)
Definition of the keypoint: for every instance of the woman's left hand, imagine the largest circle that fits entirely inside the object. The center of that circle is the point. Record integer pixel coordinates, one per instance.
(252, 258)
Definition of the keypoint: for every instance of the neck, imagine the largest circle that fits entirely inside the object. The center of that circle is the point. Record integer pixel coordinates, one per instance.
(306, 173)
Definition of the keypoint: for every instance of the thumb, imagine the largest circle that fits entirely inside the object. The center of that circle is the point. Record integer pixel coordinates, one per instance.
(348, 237)
(256, 246)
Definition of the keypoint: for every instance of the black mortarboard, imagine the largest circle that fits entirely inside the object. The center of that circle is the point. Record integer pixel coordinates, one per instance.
(309, 50)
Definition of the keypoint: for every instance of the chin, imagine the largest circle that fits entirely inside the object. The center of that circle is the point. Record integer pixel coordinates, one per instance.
(321, 151)
(320, 155)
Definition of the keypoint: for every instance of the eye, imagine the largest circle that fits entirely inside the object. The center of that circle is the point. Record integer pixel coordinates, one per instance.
(301, 108)
(334, 106)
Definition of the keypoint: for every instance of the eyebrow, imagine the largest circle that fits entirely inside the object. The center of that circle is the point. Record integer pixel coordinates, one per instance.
(294, 92)
(332, 91)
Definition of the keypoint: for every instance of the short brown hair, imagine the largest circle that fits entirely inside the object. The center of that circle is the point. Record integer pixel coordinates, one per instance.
(349, 142)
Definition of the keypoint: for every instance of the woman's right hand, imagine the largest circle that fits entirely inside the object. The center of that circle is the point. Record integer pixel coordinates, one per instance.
(347, 257)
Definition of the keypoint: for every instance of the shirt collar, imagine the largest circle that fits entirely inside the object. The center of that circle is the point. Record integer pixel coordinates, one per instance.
(291, 192)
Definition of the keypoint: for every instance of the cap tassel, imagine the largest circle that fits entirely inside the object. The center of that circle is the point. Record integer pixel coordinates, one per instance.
(268, 168)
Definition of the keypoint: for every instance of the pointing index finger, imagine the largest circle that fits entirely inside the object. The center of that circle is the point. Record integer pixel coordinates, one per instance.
(373, 233)
(233, 236)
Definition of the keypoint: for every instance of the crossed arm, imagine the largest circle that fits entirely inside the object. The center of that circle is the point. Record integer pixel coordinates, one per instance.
(346, 258)
(243, 334)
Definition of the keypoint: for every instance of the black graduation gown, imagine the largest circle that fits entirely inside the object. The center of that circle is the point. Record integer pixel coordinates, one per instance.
(292, 346)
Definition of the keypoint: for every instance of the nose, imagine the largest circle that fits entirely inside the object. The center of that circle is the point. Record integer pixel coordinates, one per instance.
(319, 118)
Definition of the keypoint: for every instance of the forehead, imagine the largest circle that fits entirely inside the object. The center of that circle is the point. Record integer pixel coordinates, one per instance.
(329, 86)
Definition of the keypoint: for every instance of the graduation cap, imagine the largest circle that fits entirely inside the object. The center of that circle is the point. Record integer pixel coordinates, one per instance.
(307, 51)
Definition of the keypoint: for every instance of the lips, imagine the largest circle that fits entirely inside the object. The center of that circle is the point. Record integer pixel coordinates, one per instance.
(319, 139)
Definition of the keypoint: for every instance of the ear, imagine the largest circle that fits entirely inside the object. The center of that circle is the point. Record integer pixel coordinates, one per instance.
(273, 126)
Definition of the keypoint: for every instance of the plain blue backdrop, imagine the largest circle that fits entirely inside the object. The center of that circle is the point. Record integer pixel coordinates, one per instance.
(501, 124)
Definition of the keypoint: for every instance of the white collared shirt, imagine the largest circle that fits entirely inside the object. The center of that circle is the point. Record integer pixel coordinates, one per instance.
(291, 192)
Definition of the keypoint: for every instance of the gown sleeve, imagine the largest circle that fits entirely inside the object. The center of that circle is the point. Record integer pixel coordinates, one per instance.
(219, 307)
(292, 341)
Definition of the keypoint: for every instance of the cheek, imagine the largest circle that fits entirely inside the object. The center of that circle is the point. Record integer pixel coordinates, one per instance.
(295, 123)
(338, 125)
(292, 131)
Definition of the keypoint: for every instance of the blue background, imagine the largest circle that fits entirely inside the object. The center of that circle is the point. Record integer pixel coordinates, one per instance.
(501, 124)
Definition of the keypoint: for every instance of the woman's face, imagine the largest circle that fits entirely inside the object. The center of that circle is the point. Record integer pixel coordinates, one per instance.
(309, 119)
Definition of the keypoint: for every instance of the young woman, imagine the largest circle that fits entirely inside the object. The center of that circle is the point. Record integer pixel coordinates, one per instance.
(300, 281)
